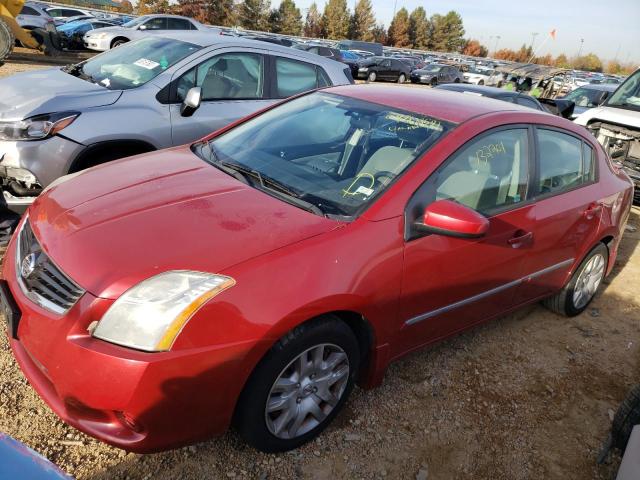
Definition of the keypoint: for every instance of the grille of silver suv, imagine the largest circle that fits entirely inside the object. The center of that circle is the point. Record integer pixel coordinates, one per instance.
(39, 278)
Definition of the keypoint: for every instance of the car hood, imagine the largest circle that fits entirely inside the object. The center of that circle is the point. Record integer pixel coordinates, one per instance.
(113, 30)
(48, 91)
(114, 225)
(620, 116)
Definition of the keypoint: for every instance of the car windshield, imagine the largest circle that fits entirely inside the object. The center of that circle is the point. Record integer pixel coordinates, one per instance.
(133, 64)
(135, 22)
(627, 95)
(585, 97)
(475, 71)
(431, 68)
(329, 154)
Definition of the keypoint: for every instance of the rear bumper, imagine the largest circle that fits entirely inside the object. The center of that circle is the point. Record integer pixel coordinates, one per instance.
(141, 402)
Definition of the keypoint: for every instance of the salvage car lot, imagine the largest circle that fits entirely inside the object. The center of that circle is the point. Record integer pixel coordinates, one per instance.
(532, 388)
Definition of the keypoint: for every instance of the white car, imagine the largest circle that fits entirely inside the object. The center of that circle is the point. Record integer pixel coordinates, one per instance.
(65, 13)
(103, 39)
(476, 76)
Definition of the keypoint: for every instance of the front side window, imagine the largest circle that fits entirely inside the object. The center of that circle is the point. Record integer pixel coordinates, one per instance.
(134, 63)
(335, 153)
(561, 162)
(293, 77)
(489, 173)
(228, 76)
(158, 23)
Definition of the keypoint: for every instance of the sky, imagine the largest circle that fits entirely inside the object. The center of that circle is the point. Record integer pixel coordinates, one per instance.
(515, 21)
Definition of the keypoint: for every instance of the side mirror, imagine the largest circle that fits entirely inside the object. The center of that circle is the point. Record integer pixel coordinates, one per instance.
(446, 217)
(191, 102)
(562, 108)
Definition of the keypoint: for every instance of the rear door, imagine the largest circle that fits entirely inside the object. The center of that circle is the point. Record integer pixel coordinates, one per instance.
(567, 211)
(452, 283)
(233, 86)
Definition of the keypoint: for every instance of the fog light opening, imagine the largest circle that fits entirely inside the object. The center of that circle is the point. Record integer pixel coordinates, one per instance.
(128, 421)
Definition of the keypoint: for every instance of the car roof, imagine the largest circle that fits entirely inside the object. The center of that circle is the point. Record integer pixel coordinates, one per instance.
(604, 87)
(205, 38)
(492, 92)
(438, 103)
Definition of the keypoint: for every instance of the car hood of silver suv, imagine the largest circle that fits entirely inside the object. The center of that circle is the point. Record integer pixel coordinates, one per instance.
(47, 91)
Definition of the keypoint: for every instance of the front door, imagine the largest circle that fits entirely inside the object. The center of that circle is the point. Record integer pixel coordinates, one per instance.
(452, 283)
(232, 87)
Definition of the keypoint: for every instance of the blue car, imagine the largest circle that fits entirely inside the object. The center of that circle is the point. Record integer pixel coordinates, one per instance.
(71, 33)
(19, 461)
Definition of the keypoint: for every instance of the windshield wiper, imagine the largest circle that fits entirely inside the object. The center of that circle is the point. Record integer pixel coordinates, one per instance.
(244, 173)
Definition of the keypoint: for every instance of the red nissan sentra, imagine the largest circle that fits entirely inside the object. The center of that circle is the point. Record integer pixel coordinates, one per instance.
(254, 277)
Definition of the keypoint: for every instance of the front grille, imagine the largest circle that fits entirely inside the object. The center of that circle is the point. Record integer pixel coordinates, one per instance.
(39, 278)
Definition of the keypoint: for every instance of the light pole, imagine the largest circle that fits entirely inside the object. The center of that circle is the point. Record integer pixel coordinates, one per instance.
(580, 49)
(395, 5)
(495, 46)
(533, 39)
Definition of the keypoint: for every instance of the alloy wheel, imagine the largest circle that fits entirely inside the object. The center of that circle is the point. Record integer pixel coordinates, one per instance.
(588, 281)
(306, 391)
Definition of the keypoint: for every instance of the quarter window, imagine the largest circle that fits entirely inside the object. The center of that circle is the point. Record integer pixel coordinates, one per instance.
(293, 77)
(489, 173)
(28, 11)
(561, 162)
(178, 24)
(227, 76)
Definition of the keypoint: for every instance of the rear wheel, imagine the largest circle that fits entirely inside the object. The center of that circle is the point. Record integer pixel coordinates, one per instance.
(299, 387)
(434, 82)
(575, 297)
(402, 78)
(627, 417)
(372, 77)
(6, 40)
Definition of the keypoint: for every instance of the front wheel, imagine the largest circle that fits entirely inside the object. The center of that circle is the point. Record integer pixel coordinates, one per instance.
(299, 387)
(372, 77)
(574, 298)
(481, 82)
(434, 82)
(6, 40)
(402, 78)
(117, 43)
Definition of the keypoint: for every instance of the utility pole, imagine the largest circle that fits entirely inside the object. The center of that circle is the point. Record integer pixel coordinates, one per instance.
(395, 5)
(495, 46)
(533, 39)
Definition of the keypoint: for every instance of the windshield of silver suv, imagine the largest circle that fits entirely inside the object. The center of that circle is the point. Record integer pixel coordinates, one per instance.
(133, 64)
(628, 94)
(328, 154)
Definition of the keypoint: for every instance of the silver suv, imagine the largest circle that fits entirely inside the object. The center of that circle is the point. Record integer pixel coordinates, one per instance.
(34, 15)
(149, 94)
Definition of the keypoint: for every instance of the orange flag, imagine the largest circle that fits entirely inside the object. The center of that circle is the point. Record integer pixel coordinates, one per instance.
(553, 33)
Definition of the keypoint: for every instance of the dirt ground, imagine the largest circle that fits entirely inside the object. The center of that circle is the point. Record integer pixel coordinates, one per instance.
(527, 396)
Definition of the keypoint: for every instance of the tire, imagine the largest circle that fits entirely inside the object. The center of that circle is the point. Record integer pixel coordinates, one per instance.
(372, 77)
(565, 302)
(118, 42)
(627, 417)
(457, 80)
(266, 431)
(7, 41)
(434, 82)
(481, 82)
(402, 78)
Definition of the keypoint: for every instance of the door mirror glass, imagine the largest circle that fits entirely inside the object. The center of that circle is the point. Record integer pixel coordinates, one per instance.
(191, 102)
(446, 217)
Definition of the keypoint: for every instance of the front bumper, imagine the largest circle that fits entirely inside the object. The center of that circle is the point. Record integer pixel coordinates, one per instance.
(46, 159)
(418, 79)
(99, 44)
(141, 402)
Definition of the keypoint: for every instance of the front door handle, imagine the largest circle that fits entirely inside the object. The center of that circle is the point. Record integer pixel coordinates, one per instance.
(520, 238)
(592, 210)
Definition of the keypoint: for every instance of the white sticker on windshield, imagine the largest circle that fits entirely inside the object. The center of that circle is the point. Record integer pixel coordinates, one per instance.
(364, 190)
(146, 63)
(106, 82)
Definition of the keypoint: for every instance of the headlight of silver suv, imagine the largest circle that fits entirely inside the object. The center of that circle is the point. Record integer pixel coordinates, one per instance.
(151, 315)
(36, 128)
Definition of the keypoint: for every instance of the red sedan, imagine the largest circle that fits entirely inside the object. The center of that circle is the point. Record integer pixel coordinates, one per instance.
(254, 277)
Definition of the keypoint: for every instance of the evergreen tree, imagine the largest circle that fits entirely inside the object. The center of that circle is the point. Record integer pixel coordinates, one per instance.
(399, 29)
(363, 22)
(447, 32)
(313, 23)
(221, 12)
(419, 28)
(290, 18)
(335, 20)
(254, 14)
(380, 34)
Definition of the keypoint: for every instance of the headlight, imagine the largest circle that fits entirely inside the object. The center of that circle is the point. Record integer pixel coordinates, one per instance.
(36, 128)
(150, 315)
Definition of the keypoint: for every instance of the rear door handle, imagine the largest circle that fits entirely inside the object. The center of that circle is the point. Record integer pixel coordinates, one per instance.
(519, 238)
(592, 210)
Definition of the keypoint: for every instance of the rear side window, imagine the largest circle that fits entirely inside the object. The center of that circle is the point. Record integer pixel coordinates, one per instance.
(178, 24)
(293, 77)
(489, 173)
(28, 11)
(562, 166)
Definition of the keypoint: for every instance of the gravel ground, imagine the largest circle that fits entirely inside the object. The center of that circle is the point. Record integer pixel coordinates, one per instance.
(527, 396)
